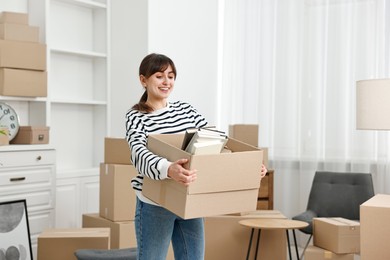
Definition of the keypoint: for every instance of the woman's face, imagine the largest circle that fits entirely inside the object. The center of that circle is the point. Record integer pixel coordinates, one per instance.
(159, 85)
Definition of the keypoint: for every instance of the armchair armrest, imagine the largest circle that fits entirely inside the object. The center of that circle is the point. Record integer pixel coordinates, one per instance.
(306, 216)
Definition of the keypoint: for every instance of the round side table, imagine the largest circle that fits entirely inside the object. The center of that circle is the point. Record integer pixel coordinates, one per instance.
(286, 224)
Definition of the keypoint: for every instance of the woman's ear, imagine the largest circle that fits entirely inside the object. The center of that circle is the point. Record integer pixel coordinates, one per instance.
(142, 79)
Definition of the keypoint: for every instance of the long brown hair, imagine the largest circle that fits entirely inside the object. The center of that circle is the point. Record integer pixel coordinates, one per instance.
(151, 64)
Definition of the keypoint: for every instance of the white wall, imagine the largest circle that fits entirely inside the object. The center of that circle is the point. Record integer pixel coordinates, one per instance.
(185, 31)
(129, 38)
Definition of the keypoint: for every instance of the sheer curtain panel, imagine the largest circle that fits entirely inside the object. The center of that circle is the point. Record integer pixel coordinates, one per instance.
(292, 67)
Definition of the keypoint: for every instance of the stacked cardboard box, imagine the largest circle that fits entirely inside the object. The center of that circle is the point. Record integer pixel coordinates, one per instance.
(334, 238)
(117, 199)
(22, 57)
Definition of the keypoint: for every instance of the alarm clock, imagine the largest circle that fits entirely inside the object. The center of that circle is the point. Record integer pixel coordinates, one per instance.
(10, 119)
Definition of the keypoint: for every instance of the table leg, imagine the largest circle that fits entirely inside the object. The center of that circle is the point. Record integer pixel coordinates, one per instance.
(288, 242)
(258, 242)
(250, 244)
(296, 246)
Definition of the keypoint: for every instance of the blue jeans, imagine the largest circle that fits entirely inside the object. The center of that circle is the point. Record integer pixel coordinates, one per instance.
(156, 227)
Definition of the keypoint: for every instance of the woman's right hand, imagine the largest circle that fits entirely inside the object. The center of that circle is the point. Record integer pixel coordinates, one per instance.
(177, 172)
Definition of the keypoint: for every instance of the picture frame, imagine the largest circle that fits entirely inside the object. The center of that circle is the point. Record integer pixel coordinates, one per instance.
(15, 231)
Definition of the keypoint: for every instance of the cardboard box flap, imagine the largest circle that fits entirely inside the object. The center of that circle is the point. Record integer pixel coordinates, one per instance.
(158, 144)
(239, 146)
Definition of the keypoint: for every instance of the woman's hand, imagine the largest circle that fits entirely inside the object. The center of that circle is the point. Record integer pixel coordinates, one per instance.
(177, 172)
(263, 171)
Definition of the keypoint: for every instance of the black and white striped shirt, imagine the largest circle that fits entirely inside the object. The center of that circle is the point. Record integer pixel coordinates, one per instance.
(176, 117)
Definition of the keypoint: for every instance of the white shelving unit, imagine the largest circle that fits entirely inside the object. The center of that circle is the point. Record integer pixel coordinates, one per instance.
(77, 107)
(78, 59)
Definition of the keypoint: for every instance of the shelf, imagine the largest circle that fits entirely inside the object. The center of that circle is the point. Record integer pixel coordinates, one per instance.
(89, 54)
(85, 3)
(79, 102)
(27, 99)
(23, 147)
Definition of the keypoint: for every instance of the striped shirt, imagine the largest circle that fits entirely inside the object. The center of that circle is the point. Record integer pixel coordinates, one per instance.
(176, 117)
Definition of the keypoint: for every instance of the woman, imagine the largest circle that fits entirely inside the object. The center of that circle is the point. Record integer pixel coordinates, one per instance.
(156, 227)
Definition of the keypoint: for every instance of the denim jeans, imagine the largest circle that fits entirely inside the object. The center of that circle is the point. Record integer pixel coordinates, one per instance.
(156, 227)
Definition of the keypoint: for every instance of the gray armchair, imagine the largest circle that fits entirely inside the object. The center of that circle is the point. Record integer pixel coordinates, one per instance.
(336, 194)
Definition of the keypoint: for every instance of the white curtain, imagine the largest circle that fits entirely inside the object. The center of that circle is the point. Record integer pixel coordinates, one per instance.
(291, 67)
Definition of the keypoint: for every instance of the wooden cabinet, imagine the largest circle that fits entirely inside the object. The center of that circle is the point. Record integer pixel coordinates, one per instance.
(265, 200)
(28, 172)
(76, 196)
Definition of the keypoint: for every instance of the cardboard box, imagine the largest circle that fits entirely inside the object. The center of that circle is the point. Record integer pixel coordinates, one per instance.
(60, 244)
(226, 183)
(375, 228)
(116, 151)
(122, 232)
(228, 240)
(339, 235)
(23, 83)
(117, 197)
(247, 133)
(316, 253)
(32, 135)
(19, 32)
(13, 17)
(22, 55)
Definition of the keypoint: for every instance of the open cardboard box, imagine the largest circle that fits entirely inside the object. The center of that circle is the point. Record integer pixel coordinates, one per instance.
(226, 183)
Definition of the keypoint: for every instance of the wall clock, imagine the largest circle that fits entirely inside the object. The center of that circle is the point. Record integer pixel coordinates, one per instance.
(10, 119)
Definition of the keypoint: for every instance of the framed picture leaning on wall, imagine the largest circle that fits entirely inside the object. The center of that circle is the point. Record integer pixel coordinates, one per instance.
(14, 231)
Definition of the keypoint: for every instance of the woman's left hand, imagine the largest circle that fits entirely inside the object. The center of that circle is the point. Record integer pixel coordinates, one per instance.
(263, 171)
